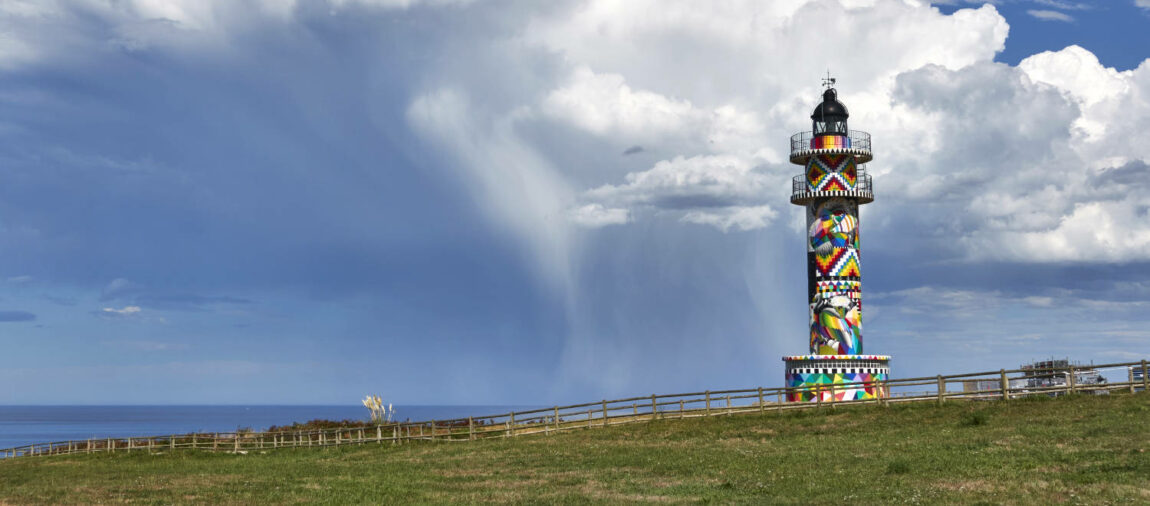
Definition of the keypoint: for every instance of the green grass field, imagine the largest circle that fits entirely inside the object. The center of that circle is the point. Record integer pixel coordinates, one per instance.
(1072, 450)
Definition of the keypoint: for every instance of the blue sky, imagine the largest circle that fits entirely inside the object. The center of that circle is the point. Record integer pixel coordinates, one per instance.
(455, 202)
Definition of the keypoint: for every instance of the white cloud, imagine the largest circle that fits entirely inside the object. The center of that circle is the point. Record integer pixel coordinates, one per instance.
(1048, 15)
(595, 215)
(604, 105)
(1045, 173)
(739, 218)
(725, 191)
(1059, 4)
(124, 311)
(1145, 4)
(1078, 73)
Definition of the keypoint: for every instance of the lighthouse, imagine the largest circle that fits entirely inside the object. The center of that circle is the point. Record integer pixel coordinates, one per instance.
(832, 187)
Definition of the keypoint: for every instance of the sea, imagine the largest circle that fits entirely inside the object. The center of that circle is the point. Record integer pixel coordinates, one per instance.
(23, 425)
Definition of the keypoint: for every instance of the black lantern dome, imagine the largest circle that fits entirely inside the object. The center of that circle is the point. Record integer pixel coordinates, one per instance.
(830, 117)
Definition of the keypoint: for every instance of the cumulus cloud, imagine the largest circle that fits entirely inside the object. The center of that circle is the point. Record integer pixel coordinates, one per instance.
(605, 105)
(723, 190)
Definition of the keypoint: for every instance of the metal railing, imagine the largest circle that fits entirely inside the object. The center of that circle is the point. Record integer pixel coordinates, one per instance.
(802, 141)
(990, 385)
(863, 183)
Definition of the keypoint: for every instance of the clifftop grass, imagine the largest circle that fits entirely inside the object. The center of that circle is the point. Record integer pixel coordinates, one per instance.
(1077, 449)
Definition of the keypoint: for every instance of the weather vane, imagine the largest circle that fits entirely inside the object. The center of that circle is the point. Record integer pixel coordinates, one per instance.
(828, 81)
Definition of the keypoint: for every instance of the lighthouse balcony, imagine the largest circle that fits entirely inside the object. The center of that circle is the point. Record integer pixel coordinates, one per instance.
(856, 143)
(803, 192)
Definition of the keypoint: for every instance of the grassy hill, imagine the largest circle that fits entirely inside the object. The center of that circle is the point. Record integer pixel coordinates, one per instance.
(1076, 449)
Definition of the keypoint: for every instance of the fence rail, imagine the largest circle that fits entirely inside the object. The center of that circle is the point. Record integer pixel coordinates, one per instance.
(608, 412)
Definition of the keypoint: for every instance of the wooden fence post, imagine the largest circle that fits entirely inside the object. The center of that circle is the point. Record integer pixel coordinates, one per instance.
(1070, 380)
(556, 417)
(470, 429)
(941, 389)
(1005, 385)
(1130, 374)
(654, 408)
(510, 423)
(588, 418)
(778, 402)
(761, 407)
(1145, 378)
(728, 404)
(708, 412)
(604, 412)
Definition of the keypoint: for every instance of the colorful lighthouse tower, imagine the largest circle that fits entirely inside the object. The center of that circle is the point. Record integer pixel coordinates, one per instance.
(833, 185)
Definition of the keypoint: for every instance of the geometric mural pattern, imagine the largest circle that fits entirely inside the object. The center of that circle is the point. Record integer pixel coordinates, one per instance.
(838, 262)
(808, 387)
(834, 272)
(831, 173)
(852, 287)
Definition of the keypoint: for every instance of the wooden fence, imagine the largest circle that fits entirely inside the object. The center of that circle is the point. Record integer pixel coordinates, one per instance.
(610, 412)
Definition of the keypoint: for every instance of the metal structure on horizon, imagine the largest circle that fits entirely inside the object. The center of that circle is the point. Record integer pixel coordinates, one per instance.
(833, 185)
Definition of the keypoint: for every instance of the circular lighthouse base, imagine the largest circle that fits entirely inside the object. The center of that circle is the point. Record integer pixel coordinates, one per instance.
(836, 377)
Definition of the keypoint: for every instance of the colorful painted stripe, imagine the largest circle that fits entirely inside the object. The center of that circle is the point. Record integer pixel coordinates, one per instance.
(831, 142)
(837, 357)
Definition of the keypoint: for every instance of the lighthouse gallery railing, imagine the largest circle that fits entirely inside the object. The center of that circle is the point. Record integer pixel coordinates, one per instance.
(803, 141)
